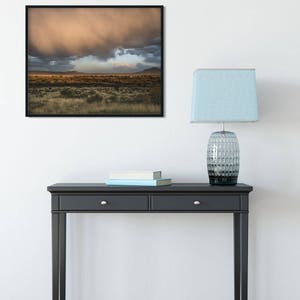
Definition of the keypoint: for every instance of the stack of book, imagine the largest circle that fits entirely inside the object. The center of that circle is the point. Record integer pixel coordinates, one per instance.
(139, 178)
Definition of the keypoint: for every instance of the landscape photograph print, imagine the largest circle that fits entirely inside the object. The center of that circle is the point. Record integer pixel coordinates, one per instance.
(94, 60)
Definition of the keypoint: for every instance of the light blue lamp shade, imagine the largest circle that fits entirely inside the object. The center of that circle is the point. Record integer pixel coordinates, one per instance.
(224, 95)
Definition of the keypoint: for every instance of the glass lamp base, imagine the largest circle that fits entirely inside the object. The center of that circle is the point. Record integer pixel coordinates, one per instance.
(223, 158)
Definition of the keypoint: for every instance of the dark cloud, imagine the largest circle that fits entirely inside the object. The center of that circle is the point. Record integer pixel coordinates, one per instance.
(150, 54)
(65, 32)
(49, 65)
(143, 66)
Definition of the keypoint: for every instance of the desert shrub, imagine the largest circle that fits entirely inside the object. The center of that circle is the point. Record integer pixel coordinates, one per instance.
(96, 98)
(155, 94)
(148, 98)
(138, 98)
(39, 93)
(36, 104)
(113, 98)
(91, 92)
(69, 93)
(125, 99)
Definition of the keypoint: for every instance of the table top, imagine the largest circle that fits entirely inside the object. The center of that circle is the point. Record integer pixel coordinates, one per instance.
(175, 187)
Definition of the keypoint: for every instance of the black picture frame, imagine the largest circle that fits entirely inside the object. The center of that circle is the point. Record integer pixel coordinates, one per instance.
(160, 114)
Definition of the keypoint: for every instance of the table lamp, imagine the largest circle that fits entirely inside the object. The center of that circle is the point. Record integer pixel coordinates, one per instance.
(224, 95)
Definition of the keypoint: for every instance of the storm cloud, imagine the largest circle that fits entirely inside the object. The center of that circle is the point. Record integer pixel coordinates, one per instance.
(78, 32)
(49, 64)
(151, 53)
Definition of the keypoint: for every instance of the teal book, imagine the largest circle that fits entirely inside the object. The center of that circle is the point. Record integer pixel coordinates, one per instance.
(136, 182)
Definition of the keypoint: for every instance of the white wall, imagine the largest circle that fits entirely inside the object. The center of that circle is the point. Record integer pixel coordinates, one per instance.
(132, 257)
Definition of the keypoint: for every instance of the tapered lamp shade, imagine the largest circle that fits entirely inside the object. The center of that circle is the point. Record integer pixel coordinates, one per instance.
(224, 95)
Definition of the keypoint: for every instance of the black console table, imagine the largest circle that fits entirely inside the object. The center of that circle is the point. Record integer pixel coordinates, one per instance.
(179, 197)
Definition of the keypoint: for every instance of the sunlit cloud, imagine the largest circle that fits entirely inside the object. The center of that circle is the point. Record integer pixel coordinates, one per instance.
(122, 63)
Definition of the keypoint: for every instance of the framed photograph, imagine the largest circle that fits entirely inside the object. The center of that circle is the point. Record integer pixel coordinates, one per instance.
(94, 61)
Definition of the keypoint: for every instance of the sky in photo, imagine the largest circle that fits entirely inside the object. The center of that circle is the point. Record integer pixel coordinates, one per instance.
(94, 40)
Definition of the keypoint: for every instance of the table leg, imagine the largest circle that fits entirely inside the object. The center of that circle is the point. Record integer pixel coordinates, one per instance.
(58, 256)
(241, 256)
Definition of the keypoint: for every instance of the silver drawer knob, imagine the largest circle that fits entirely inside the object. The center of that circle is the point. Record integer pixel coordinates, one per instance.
(197, 202)
(103, 202)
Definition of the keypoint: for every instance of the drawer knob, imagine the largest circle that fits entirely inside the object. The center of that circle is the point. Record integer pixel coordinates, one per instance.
(103, 202)
(197, 202)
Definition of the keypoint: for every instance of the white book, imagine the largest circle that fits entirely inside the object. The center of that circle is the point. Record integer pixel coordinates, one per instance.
(139, 182)
(135, 174)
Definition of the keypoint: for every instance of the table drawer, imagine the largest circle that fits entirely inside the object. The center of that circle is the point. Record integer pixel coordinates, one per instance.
(104, 202)
(195, 202)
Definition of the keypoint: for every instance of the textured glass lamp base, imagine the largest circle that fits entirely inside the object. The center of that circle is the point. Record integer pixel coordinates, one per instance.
(223, 158)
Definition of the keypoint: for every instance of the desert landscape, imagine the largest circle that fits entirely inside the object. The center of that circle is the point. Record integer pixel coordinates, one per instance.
(88, 94)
